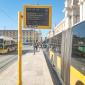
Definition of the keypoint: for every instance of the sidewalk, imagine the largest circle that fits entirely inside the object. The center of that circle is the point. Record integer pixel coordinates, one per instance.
(35, 71)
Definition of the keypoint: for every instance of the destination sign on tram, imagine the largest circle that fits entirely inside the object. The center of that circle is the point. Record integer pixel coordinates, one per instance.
(38, 16)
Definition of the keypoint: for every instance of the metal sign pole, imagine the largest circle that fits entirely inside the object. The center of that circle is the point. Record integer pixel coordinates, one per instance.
(19, 48)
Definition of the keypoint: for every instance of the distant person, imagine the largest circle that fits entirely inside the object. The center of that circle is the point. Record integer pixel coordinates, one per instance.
(40, 45)
(35, 47)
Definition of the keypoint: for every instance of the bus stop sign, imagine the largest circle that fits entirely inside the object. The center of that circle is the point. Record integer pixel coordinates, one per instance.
(37, 16)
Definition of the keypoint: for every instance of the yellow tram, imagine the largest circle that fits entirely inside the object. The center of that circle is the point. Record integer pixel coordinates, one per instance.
(69, 54)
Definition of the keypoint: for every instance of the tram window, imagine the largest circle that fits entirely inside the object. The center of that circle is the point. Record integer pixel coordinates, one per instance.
(78, 47)
(58, 43)
(4, 41)
(1, 40)
(1, 43)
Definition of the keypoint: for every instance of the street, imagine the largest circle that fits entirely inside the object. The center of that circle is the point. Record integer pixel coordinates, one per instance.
(7, 59)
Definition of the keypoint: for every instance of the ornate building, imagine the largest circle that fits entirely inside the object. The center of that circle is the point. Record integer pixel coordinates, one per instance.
(28, 35)
(82, 9)
(74, 12)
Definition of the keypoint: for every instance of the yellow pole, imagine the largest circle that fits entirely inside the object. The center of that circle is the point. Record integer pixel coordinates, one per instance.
(19, 48)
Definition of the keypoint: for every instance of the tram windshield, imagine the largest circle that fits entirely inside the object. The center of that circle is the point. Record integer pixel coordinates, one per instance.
(1, 43)
(78, 46)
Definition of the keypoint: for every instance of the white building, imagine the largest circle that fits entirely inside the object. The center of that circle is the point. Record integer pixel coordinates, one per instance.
(74, 12)
(82, 9)
(28, 36)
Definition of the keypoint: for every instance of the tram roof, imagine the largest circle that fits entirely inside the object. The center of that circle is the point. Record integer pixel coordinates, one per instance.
(78, 23)
(7, 38)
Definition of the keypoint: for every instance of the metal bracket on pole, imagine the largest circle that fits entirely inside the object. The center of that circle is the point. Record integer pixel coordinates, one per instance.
(19, 48)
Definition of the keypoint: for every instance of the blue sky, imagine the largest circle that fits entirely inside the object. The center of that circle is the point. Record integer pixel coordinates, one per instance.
(9, 12)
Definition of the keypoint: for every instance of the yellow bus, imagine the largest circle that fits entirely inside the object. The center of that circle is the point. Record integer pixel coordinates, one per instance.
(7, 44)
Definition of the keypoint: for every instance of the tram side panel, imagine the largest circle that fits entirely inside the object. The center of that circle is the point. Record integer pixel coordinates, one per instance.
(55, 53)
(69, 55)
(58, 53)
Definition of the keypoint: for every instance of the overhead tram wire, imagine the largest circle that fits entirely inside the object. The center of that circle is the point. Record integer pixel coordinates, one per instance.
(5, 13)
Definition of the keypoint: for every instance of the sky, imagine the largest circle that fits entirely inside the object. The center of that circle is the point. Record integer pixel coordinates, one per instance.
(9, 12)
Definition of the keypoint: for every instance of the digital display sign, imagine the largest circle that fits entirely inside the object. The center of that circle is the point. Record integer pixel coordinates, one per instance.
(38, 16)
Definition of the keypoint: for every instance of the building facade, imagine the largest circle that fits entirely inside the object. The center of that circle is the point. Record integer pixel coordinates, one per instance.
(82, 9)
(74, 12)
(28, 36)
